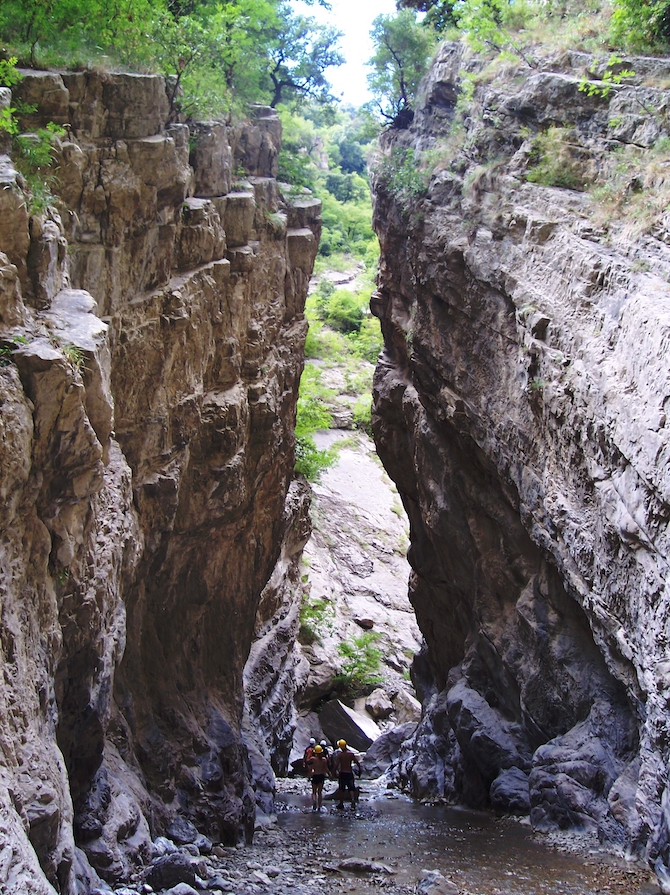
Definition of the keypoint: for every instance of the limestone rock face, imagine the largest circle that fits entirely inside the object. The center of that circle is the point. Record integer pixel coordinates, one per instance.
(520, 407)
(148, 385)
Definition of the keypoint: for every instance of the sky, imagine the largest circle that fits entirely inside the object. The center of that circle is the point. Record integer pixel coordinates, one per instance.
(354, 19)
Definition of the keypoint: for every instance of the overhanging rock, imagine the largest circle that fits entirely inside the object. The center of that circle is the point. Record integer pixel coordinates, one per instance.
(340, 722)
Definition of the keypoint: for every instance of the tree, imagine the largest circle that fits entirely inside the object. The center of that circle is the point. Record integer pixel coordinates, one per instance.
(300, 53)
(439, 13)
(403, 51)
(485, 25)
(258, 50)
(642, 23)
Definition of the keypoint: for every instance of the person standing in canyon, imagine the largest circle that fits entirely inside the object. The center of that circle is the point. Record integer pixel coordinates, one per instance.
(308, 753)
(317, 768)
(344, 761)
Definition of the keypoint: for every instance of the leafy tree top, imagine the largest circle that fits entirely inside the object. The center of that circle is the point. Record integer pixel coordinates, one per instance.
(217, 52)
(403, 50)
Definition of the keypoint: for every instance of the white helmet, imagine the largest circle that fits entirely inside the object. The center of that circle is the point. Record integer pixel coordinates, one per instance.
(323, 743)
(312, 741)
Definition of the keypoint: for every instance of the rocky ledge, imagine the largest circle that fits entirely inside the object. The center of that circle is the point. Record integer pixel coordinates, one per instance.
(151, 338)
(520, 406)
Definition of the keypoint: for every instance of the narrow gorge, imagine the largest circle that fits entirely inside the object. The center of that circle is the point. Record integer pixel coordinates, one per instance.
(152, 341)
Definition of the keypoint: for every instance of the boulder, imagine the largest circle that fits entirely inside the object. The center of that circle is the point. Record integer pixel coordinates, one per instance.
(366, 623)
(362, 865)
(384, 751)
(408, 707)
(182, 831)
(170, 870)
(482, 731)
(182, 889)
(509, 792)
(432, 882)
(340, 722)
(378, 704)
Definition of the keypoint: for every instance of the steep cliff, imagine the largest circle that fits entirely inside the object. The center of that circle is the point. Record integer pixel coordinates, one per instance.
(152, 338)
(520, 406)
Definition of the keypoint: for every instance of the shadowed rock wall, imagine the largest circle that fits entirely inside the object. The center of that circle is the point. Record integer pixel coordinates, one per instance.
(520, 406)
(152, 335)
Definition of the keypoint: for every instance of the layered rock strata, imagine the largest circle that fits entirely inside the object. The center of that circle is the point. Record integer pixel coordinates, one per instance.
(151, 340)
(520, 407)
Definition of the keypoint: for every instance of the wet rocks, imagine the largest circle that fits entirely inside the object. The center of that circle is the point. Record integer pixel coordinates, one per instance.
(509, 792)
(360, 865)
(432, 882)
(169, 870)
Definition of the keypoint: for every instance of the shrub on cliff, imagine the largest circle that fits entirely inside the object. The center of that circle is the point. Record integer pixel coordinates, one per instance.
(403, 49)
(641, 25)
(361, 667)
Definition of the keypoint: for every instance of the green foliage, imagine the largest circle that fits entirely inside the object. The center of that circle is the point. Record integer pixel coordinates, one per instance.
(553, 161)
(8, 347)
(488, 24)
(346, 187)
(74, 354)
(34, 155)
(363, 413)
(216, 54)
(403, 49)
(367, 342)
(309, 460)
(346, 205)
(312, 415)
(482, 22)
(316, 617)
(439, 14)
(362, 664)
(344, 312)
(613, 75)
(347, 226)
(299, 56)
(9, 76)
(401, 174)
(641, 24)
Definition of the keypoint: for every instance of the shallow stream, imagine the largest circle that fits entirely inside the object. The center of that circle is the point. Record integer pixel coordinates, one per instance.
(480, 853)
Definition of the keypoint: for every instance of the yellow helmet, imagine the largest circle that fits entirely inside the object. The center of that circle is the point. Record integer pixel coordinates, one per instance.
(342, 744)
(318, 749)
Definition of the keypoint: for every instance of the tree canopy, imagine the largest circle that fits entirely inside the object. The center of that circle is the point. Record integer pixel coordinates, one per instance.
(635, 24)
(213, 50)
(403, 48)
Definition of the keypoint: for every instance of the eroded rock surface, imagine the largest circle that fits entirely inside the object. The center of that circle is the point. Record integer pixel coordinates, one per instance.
(148, 381)
(520, 407)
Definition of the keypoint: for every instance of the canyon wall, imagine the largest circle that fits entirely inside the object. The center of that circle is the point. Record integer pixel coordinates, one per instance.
(151, 344)
(520, 406)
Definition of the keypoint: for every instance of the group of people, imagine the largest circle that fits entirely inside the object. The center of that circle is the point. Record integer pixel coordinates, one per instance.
(321, 763)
